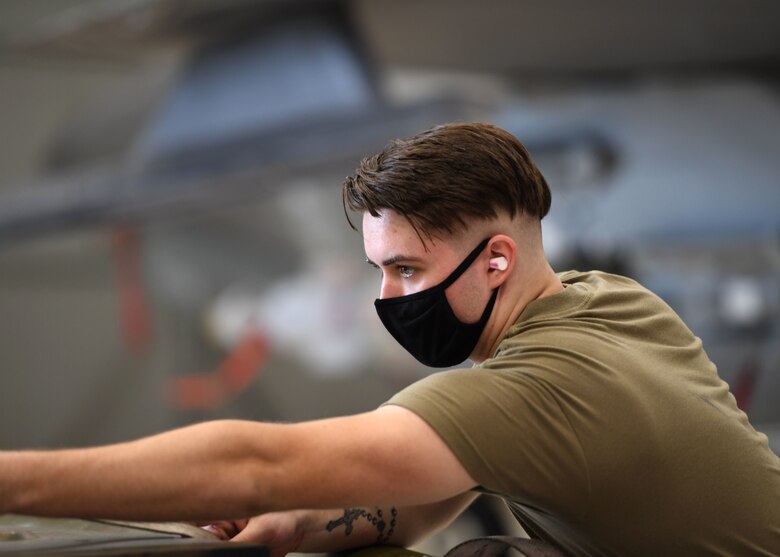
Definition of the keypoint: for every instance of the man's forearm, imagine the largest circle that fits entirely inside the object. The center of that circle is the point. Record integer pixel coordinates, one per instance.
(196, 473)
(336, 530)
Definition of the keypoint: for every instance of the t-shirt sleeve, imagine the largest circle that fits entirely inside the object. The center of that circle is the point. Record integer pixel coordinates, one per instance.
(509, 431)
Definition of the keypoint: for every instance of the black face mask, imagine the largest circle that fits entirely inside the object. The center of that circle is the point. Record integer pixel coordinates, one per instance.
(425, 325)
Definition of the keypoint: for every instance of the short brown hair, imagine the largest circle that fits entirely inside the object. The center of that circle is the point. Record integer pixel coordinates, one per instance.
(444, 177)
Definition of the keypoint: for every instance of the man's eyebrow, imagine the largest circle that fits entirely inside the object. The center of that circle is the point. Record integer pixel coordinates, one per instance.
(394, 259)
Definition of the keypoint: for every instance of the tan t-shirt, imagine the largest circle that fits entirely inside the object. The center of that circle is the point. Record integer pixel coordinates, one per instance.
(607, 430)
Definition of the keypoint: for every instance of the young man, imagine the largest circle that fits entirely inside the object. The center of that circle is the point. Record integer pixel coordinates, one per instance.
(592, 410)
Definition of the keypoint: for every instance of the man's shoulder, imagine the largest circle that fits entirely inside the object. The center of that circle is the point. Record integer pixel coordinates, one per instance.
(604, 290)
(582, 291)
(596, 314)
(597, 278)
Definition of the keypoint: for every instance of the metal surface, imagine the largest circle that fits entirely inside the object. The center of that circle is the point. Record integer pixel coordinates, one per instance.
(24, 535)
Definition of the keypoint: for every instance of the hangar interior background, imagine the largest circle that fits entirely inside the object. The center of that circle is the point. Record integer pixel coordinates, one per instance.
(172, 244)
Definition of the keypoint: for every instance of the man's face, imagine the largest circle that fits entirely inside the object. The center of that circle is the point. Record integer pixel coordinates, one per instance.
(393, 246)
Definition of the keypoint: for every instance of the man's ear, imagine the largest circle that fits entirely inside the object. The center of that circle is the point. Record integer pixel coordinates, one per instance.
(503, 252)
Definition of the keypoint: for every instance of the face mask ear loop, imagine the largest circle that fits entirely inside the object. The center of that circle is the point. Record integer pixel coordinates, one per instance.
(460, 269)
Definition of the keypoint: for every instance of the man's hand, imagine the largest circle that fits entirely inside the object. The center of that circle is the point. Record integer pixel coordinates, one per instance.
(282, 532)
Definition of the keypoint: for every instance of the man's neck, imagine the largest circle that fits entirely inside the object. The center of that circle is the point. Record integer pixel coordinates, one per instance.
(514, 302)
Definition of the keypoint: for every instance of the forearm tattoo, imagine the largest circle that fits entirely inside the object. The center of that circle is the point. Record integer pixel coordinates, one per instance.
(351, 515)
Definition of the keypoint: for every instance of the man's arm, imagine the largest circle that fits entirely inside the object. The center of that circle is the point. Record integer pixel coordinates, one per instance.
(236, 469)
(409, 525)
(321, 531)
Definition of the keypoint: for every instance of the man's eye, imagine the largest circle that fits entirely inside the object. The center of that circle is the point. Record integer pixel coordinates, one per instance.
(405, 271)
